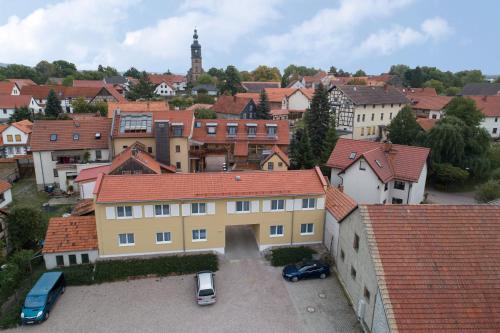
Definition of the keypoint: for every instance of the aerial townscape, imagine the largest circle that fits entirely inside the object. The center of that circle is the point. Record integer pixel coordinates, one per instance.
(284, 198)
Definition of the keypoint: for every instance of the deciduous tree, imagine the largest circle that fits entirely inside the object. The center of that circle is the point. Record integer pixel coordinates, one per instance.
(404, 129)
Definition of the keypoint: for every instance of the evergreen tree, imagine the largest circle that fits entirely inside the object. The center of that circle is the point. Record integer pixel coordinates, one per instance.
(330, 141)
(263, 109)
(318, 120)
(143, 89)
(133, 72)
(404, 129)
(301, 155)
(20, 114)
(53, 107)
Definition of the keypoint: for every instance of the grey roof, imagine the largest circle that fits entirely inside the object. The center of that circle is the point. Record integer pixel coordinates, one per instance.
(207, 87)
(360, 95)
(117, 79)
(481, 89)
(257, 87)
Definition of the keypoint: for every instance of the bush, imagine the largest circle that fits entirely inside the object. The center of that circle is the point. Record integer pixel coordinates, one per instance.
(205, 114)
(107, 271)
(446, 174)
(290, 255)
(78, 275)
(488, 191)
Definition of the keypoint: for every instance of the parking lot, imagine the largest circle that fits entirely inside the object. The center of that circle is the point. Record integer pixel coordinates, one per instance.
(252, 297)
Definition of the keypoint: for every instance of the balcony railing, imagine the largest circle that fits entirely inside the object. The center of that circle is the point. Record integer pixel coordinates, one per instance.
(247, 136)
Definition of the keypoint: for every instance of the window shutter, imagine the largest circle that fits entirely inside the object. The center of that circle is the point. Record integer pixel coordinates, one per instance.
(186, 209)
(137, 212)
(289, 205)
(254, 206)
(174, 210)
(320, 203)
(297, 205)
(110, 213)
(231, 207)
(266, 205)
(211, 208)
(148, 211)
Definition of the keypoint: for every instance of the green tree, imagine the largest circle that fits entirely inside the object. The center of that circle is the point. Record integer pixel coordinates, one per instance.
(63, 68)
(204, 98)
(357, 81)
(301, 155)
(143, 89)
(107, 71)
(205, 114)
(359, 72)
(332, 70)
(330, 141)
(293, 72)
(436, 84)
(263, 108)
(53, 107)
(470, 76)
(452, 91)
(317, 120)
(25, 227)
(447, 143)
(45, 70)
(20, 113)
(404, 129)
(218, 73)
(264, 73)
(246, 76)
(232, 81)
(465, 109)
(205, 79)
(488, 191)
(133, 72)
(446, 174)
(68, 81)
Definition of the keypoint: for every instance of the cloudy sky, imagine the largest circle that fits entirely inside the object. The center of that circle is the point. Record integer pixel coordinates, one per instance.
(155, 34)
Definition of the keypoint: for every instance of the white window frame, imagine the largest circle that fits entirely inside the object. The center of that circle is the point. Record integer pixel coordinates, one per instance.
(308, 205)
(277, 205)
(127, 237)
(307, 232)
(163, 237)
(125, 217)
(243, 204)
(199, 239)
(198, 205)
(162, 210)
(276, 234)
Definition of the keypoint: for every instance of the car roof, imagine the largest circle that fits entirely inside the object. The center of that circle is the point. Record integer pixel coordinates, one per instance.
(45, 283)
(205, 279)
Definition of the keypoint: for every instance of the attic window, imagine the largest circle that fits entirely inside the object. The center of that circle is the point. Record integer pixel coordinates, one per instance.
(378, 163)
(98, 136)
(53, 137)
(76, 136)
(211, 129)
(352, 156)
(197, 124)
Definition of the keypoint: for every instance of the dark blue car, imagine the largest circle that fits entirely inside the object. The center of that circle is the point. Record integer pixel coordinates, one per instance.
(306, 270)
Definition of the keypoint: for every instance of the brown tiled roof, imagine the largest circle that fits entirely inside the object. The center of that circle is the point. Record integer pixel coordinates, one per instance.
(339, 204)
(4, 186)
(361, 95)
(141, 106)
(90, 174)
(73, 233)
(400, 162)
(86, 128)
(22, 82)
(438, 267)
(277, 94)
(275, 150)
(25, 126)
(209, 185)
(257, 86)
(6, 87)
(42, 91)
(200, 132)
(254, 96)
(280, 112)
(433, 103)
(88, 83)
(427, 124)
(233, 105)
(489, 105)
(168, 79)
(14, 101)
(83, 207)
(419, 92)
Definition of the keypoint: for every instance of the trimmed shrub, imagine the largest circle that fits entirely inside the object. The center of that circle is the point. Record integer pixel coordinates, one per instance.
(488, 191)
(446, 174)
(290, 255)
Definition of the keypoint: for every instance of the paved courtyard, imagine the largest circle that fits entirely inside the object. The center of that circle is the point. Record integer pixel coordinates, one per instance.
(252, 297)
(450, 198)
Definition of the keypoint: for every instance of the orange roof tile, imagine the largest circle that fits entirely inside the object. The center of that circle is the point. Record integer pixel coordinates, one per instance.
(4, 186)
(208, 185)
(83, 207)
(25, 126)
(73, 233)
(438, 265)
(418, 92)
(141, 157)
(22, 82)
(88, 83)
(275, 150)
(137, 106)
(90, 174)
(277, 94)
(254, 96)
(14, 101)
(426, 123)
(169, 79)
(400, 162)
(489, 105)
(6, 87)
(339, 204)
(433, 103)
(233, 105)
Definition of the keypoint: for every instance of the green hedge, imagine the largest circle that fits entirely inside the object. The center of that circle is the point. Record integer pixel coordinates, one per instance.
(78, 275)
(290, 255)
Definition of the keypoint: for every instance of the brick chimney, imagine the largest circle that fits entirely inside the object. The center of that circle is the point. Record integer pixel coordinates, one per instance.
(341, 188)
(387, 146)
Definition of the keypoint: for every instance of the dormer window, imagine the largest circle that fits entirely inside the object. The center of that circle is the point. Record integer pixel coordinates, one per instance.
(271, 130)
(76, 136)
(53, 137)
(211, 128)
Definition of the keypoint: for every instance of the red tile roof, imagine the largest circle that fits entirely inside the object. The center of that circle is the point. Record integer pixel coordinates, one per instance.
(233, 105)
(22, 82)
(209, 185)
(83, 207)
(25, 126)
(169, 79)
(200, 133)
(146, 106)
(86, 128)
(88, 83)
(254, 96)
(427, 124)
(489, 105)
(400, 162)
(438, 266)
(42, 91)
(433, 103)
(277, 94)
(275, 150)
(4, 186)
(73, 233)
(418, 92)
(141, 157)
(338, 203)
(6, 87)
(91, 174)
(14, 101)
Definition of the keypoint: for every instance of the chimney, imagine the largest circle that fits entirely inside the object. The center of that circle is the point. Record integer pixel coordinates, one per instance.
(485, 98)
(234, 98)
(162, 141)
(387, 146)
(341, 188)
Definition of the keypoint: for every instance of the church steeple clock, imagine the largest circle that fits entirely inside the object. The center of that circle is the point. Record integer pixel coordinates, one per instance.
(196, 66)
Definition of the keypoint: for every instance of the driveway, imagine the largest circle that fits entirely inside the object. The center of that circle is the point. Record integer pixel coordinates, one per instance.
(252, 297)
(450, 198)
(241, 243)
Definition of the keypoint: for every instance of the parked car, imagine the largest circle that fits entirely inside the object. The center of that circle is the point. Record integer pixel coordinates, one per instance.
(42, 297)
(205, 288)
(306, 270)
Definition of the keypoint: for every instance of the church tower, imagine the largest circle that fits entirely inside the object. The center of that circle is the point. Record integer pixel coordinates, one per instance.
(196, 67)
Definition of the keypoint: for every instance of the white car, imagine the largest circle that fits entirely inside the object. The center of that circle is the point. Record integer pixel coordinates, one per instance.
(205, 288)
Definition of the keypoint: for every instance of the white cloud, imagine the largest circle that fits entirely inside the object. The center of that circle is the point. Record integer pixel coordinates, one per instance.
(387, 41)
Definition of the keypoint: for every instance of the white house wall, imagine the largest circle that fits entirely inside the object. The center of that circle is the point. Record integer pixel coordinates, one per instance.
(363, 186)
(491, 125)
(50, 258)
(86, 190)
(298, 101)
(7, 198)
(418, 189)
(331, 234)
(44, 168)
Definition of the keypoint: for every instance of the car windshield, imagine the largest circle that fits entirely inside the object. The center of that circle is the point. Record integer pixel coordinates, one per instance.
(34, 301)
(206, 292)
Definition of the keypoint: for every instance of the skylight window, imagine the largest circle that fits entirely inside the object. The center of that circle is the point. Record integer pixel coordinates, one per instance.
(352, 156)
(378, 163)
(53, 137)
(76, 136)
(98, 136)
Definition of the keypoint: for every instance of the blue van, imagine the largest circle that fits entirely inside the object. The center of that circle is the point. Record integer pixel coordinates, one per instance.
(41, 298)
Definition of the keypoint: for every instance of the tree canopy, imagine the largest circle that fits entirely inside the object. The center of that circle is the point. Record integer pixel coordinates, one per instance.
(359, 72)
(292, 72)
(231, 83)
(25, 226)
(301, 155)
(263, 108)
(264, 73)
(143, 89)
(403, 128)
(20, 113)
(318, 121)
